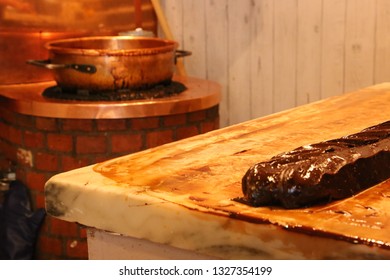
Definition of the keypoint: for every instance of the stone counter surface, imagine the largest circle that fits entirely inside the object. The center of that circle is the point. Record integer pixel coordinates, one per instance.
(180, 194)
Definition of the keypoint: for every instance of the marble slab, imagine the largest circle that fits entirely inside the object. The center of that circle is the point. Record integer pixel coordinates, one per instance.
(180, 194)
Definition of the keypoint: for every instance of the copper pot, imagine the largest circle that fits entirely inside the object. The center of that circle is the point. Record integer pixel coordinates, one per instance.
(108, 63)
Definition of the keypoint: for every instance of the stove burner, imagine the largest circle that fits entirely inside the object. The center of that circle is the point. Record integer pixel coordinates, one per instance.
(157, 91)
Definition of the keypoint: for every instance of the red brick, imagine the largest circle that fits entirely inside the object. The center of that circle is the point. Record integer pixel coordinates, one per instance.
(46, 162)
(174, 120)
(39, 201)
(7, 115)
(213, 112)
(4, 162)
(186, 131)
(121, 143)
(60, 227)
(3, 130)
(111, 125)
(35, 180)
(50, 245)
(145, 123)
(14, 135)
(197, 116)
(77, 249)
(70, 163)
(77, 125)
(208, 126)
(33, 139)
(103, 158)
(216, 123)
(156, 138)
(25, 121)
(82, 232)
(9, 151)
(46, 124)
(91, 144)
(60, 142)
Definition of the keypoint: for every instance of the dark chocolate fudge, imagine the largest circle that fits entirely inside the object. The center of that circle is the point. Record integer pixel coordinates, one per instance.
(321, 172)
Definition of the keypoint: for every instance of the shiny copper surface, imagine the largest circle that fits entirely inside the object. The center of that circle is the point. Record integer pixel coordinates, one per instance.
(19, 45)
(119, 62)
(27, 99)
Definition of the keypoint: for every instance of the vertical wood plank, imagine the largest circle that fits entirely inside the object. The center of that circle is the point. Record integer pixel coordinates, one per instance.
(173, 13)
(194, 37)
(217, 51)
(359, 44)
(239, 59)
(382, 42)
(262, 53)
(285, 54)
(309, 50)
(333, 42)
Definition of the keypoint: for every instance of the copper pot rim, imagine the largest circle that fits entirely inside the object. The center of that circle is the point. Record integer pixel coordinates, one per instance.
(63, 46)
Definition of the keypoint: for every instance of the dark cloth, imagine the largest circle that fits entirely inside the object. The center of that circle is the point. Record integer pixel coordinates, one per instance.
(19, 225)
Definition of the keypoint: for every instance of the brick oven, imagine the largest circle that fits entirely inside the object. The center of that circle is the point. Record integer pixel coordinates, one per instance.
(41, 137)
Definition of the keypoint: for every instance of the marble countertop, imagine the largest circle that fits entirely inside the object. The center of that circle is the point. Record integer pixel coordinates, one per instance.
(180, 194)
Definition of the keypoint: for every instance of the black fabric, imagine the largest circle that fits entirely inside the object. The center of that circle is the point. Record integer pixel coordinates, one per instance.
(19, 225)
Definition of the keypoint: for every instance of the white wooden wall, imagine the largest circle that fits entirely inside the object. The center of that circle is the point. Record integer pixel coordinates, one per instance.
(271, 55)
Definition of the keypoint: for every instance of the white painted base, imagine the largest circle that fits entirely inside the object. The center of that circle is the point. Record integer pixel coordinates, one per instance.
(104, 245)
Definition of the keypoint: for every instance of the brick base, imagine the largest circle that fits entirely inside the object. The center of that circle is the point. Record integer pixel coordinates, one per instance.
(41, 147)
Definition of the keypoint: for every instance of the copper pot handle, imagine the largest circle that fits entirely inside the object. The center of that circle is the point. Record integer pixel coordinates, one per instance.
(84, 68)
(181, 53)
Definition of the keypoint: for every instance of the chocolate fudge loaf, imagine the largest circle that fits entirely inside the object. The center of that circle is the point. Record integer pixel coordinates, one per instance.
(321, 172)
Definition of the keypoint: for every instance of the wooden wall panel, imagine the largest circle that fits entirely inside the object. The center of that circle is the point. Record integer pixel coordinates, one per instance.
(332, 47)
(359, 44)
(271, 55)
(239, 60)
(309, 36)
(262, 66)
(382, 42)
(217, 46)
(195, 38)
(285, 54)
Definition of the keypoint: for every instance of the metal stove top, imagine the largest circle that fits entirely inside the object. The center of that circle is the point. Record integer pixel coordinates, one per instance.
(158, 91)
